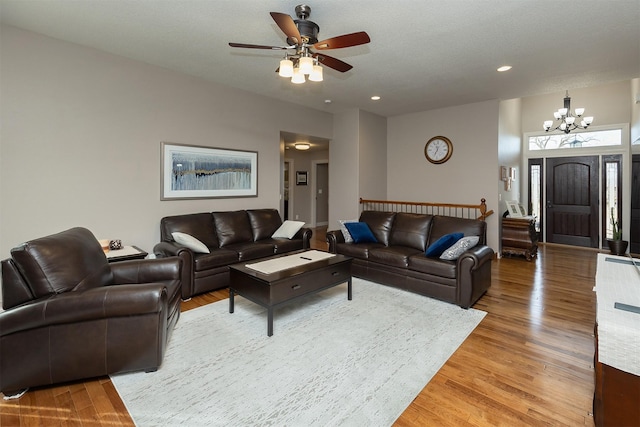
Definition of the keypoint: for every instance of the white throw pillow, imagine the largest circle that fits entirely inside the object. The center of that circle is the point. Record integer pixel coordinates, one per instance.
(287, 230)
(345, 232)
(455, 250)
(190, 242)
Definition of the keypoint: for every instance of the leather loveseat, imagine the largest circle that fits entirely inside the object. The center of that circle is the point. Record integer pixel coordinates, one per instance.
(69, 314)
(230, 237)
(398, 259)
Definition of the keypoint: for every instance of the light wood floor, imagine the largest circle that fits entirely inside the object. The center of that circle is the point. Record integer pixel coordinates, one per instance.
(529, 362)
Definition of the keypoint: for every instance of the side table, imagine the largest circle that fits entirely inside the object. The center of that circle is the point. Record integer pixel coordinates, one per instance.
(519, 237)
(125, 254)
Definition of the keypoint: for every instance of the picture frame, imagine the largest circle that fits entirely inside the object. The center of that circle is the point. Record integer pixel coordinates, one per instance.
(301, 177)
(515, 209)
(201, 172)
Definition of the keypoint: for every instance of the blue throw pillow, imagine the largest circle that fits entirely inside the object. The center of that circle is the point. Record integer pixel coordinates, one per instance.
(442, 244)
(361, 233)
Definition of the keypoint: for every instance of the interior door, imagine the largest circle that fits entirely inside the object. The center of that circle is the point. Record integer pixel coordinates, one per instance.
(572, 201)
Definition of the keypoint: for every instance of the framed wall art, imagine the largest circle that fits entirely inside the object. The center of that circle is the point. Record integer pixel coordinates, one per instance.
(196, 172)
(301, 177)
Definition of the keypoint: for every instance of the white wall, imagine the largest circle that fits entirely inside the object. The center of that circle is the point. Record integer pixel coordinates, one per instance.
(467, 177)
(510, 151)
(344, 165)
(80, 142)
(372, 150)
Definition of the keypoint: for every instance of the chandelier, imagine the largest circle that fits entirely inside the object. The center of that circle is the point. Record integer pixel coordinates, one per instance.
(300, 65)
(568, 120)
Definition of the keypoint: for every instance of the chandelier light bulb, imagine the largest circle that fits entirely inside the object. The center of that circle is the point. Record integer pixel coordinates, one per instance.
(569, 120)
(298, 76)
(579, 111)
(306, 65)
(556, 115)
(562, 112)
(286, 68)
(588, 120)
(316, 74)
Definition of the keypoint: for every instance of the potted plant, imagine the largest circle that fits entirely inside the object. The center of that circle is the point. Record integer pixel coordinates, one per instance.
(616, 244)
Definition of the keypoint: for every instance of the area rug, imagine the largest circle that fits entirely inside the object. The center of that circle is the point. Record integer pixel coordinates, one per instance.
(330, 362)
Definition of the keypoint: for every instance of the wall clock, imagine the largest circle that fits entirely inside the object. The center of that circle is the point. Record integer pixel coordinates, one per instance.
(438, 149)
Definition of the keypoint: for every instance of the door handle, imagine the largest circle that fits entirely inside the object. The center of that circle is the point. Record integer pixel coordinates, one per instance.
(549, 204)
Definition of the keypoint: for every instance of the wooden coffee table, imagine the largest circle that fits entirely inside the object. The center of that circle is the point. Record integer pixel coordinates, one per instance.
(274, 289)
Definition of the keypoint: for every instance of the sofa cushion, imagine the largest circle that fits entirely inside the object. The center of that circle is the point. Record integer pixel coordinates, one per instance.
(396, 256)
(360, 251)
(436, 248)
(458, 248)
(44, 262)
(287, 230)
(190, 242)
(264, 222)
(198, 225)
(252, 250)
(284, 245)
(217, 258)
(232, 227)
(380, 224)
(433, 266)
(442, 225)
(410, 230)
(360, 232)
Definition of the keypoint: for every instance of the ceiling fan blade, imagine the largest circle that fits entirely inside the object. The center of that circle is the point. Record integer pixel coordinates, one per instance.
(286, 24)
(332, 62)
(347, 40)
(257, 46)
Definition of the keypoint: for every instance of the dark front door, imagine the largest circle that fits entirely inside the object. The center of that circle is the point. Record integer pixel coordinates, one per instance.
(572, 201)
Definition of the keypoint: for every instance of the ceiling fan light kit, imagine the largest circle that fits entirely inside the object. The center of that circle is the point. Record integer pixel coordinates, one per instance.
(302, 35)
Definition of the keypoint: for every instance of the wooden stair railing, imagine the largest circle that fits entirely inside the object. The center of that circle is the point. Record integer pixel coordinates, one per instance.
(447, 209)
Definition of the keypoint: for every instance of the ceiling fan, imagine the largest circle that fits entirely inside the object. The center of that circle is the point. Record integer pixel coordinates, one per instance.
(302, 37)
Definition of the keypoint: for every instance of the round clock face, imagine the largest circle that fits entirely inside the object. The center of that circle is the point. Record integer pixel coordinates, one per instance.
(438, 149)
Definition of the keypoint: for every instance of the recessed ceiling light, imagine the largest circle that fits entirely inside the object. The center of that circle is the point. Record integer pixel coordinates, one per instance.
(504, 68)
(327, 101)
(375, 98)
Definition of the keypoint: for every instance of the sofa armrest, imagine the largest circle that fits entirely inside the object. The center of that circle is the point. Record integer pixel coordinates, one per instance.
(333, 238)
(474, 275)
(170, 249)
(147, 270)
(304, 234)
(81, 306)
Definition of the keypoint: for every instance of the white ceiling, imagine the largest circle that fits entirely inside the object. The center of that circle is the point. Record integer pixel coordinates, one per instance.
(423, 54)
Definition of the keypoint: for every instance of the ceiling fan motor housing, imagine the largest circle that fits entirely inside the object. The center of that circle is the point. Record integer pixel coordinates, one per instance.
(308, 30)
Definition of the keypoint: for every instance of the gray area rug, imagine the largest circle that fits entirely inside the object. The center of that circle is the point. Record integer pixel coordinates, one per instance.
(330, 362)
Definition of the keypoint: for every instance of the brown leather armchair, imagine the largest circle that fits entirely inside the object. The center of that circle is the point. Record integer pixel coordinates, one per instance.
(72, 315)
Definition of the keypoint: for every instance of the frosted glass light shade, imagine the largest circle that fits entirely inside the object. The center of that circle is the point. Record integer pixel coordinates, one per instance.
(298, 76)
(286, 68)
(570, 120)
(588, 120)
(562, 112)
(316, 74)
(306, 65)
(547, 124)
(579, 111)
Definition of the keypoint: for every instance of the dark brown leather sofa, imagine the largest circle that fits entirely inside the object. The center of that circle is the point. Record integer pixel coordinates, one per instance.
(231, 237)
(398, 258)
(72, 315)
